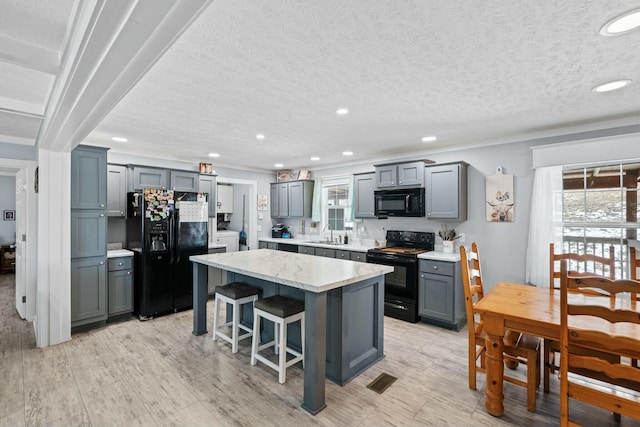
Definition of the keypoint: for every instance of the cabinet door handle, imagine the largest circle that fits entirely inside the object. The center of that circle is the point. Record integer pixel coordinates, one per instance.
(422, 275)
(121, 263)
(393, 183)
(435, 267)
(101, 262)
(129, 273)
(101, 215)
(400, 182)
(121, 213)
(102, 205)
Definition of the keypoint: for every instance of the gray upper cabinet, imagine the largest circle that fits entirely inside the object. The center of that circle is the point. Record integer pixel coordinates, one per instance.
(185, 181)
(116, 190)
(446, 195)
(208, 185)
(291, 199)
(364, 197)
(88, 233)
(400, 175)
(150, 178)
(300, 198)
(88, 178)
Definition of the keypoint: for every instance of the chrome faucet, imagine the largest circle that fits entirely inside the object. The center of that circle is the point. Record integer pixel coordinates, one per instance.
(330, 230)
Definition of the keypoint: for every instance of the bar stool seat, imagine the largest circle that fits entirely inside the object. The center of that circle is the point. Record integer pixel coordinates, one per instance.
(281, 311)
(237, 294)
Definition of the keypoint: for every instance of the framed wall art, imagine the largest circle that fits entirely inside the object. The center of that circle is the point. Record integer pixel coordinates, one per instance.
(499, 197)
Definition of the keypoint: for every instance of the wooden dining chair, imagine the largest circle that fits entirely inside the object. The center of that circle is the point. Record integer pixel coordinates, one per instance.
(609, 334)
(601, 266)
(518, 347)
(634, 264)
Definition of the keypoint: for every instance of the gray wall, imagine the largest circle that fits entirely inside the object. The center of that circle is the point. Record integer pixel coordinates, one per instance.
(7, 202)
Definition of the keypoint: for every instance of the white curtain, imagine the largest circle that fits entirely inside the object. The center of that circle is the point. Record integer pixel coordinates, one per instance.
(316, 207)
(545, 224)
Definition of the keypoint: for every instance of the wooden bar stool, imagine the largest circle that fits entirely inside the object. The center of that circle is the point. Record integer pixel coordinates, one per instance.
(281, 311)
(235, 294)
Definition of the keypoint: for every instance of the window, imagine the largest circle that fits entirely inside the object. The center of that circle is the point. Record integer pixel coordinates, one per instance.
(600, 209)
(335, 209)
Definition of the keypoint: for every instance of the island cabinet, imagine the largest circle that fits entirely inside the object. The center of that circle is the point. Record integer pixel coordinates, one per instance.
(88, 222)
(120, 285)
(440, 294)
(446, 194)
(291, 199)
(116, 191)
(400, 175)
(364, 197)
(208, 186)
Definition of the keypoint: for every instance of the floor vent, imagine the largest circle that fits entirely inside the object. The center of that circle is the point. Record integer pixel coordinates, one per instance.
(380, 384)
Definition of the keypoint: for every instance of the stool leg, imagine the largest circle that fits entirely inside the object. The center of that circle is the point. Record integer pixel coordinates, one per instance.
(234, 327)
(255, 339)
(283, 353)
(276, 337)
(216, 314)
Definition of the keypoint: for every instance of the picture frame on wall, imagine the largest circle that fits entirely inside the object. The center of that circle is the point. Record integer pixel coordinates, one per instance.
(283, 176)
(9, 215)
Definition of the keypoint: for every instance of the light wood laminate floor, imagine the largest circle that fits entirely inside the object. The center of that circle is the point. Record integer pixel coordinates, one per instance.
(156, 373)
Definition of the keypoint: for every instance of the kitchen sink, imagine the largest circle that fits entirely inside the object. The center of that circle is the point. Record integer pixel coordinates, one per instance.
(325, 242)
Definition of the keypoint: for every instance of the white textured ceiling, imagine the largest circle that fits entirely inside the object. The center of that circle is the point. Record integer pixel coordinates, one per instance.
(468, 72)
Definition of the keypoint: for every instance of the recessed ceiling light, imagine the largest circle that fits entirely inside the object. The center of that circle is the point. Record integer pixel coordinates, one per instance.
(429, 138)
(347, 153)
(279, 165)
(214, 155)
(342, 111)
(314, 158)
(259, 136)
(622, 24)
(119, 139)
(609, 86)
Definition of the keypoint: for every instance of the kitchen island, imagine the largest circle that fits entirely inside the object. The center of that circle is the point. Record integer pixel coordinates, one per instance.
(344, 308)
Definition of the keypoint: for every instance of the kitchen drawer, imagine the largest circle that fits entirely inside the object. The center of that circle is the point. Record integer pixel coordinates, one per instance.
(122, 263)
(437, 267)
(263, 245)
(329, 253)
(306, 250)
(359, 256)
(343, 255)
(272, 245)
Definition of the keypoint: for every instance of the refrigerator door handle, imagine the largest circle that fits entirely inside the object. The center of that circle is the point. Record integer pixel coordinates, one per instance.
(170, 238)
(176, 237)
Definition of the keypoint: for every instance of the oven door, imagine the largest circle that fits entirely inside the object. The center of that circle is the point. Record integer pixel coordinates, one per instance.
(403, 281)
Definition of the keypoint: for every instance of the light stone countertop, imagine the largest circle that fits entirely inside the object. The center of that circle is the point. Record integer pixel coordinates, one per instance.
(117, 253)
(359, 247)
(440, 256)
(315, 274)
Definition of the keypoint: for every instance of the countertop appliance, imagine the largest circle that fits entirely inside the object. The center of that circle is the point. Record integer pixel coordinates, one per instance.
(278, 230)
(164, 228)
(404, 202)
(401, 286)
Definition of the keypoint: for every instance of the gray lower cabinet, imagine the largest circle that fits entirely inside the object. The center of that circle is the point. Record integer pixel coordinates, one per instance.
(364, 197)
(88, 290)
(329, 253)
(343, 255)
(150, 178)
(359, 256)
(120, 285)
(263, 245)
(208, 185)
(116, 190)
(184, 181)
(440, 294)
(308, 250)
(446, 193)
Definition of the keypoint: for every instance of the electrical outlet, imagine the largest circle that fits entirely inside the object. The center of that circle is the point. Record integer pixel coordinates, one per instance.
(461, 239)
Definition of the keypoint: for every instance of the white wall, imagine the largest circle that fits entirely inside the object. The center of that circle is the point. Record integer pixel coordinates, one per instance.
(7, 202)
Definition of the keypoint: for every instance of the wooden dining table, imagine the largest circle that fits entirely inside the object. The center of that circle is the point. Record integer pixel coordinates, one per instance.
(534, 311)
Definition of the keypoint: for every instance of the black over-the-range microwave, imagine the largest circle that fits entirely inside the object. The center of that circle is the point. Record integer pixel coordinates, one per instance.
(403, 202)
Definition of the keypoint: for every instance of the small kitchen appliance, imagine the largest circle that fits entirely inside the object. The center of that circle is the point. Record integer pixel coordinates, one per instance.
(278, 231)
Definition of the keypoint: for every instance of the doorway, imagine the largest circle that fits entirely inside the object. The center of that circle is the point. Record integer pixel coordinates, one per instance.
(248, 189)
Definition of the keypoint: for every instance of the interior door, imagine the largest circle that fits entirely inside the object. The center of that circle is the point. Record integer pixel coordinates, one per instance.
(20, 218)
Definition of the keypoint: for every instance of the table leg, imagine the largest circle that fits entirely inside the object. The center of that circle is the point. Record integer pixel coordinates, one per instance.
(495, 366)
(200, 295)
(315, 350)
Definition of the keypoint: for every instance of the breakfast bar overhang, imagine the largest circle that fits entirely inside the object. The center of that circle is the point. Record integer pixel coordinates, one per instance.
(344, 308)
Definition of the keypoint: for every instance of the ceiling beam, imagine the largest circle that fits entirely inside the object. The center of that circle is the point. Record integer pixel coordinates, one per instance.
(114, 44)
(27, 55)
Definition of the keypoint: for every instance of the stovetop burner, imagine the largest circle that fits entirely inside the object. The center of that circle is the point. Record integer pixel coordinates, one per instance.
(407, 243)
(402, 250)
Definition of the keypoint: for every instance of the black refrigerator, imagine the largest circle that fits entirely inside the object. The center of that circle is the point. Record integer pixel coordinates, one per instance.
(164, 228)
